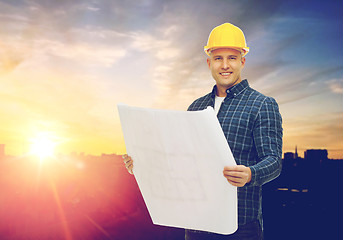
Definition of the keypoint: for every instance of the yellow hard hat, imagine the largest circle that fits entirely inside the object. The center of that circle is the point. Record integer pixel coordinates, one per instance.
(226, 35)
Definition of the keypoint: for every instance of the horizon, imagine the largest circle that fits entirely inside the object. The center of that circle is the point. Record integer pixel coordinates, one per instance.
(83, 154)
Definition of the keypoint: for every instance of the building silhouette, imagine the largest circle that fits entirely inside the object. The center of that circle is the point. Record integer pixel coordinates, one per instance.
(316, 157)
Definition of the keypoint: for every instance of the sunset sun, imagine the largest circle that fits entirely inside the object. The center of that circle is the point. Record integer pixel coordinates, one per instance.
(42, 146)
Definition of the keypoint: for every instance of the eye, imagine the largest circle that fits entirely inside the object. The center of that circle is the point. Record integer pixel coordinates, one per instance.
(217, 58)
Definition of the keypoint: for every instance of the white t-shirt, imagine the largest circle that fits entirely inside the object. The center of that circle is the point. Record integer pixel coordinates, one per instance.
(217, 103)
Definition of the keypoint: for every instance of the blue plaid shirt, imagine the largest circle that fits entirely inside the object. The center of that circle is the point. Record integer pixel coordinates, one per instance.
(252, 126)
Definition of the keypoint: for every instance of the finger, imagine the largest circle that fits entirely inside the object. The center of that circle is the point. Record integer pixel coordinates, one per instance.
(130, 168)
(234, 179)
(236, 175)
(233, 173)
(128, 163)
(235, 183)
(232, 168)
(236, 168)
(127, 158)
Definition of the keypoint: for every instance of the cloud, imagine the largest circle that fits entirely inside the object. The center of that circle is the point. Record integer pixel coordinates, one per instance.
(40, 51)
(28, 40)
(336, 85)
(143, 41)
(290, 84)
(10, 58)
(82, 52)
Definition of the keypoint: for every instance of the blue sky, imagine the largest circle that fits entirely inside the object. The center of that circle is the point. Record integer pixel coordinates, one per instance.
(64, 65)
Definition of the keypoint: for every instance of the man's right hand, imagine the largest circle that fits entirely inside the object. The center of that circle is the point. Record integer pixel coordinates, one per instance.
(128, 163)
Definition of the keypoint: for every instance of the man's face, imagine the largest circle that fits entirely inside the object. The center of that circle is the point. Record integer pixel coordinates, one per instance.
(226, 65)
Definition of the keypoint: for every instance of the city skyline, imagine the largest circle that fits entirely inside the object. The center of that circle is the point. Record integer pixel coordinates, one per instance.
(286, 155)
(65, 65)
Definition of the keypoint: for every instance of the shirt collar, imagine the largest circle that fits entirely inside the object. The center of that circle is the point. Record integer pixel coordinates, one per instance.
(232, 91)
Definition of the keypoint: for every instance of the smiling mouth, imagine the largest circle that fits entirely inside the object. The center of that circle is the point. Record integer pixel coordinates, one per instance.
(225, 73)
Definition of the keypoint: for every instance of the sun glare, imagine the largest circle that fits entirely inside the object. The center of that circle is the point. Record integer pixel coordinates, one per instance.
(42, 146)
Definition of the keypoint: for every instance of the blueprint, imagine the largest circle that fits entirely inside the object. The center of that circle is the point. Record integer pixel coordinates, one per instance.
(179, 157)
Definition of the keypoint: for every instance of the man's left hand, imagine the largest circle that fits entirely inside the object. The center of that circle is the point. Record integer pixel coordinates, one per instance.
(238, 175)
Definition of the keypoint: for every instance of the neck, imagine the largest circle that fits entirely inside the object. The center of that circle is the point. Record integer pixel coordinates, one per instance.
(221, 90)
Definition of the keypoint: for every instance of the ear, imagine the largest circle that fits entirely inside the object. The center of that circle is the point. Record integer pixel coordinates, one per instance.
(209, 62)
(243, 61)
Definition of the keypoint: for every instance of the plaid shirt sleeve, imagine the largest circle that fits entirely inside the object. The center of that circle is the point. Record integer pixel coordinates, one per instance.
(267, 135)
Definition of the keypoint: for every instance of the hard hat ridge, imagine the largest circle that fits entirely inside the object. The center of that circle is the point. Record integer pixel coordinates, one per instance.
(226, 35)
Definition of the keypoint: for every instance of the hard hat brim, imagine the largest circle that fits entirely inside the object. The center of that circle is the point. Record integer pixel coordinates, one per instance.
(208, 49)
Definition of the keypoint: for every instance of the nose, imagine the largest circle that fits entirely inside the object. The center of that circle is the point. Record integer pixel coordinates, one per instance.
(225, 64)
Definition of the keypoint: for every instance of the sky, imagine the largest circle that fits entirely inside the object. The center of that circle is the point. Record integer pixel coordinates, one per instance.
(65, 65)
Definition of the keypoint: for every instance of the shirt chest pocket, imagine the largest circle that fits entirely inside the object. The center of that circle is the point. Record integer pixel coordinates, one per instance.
(238, 128)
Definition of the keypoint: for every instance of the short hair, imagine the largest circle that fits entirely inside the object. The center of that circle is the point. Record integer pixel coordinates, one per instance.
(242, 51)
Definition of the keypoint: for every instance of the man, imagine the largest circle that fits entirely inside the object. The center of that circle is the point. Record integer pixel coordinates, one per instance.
(252, 126)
